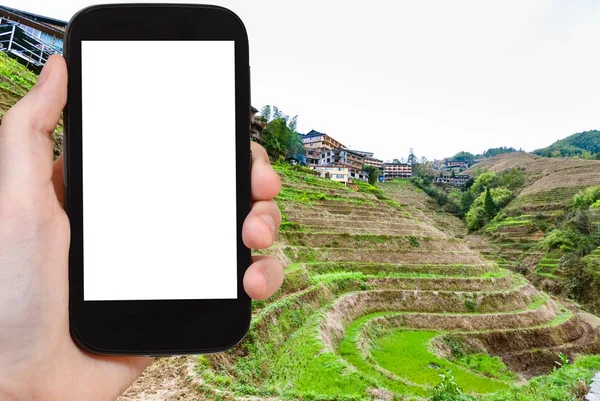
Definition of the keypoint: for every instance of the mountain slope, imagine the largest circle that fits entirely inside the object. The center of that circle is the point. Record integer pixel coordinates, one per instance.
(381, 294)
(15, 82)
(543, 232)
(574, 145)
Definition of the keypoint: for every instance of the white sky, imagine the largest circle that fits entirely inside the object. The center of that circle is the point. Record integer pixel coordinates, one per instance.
(437, 76)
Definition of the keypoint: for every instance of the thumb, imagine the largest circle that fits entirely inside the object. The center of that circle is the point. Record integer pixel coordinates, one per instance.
(25, 145)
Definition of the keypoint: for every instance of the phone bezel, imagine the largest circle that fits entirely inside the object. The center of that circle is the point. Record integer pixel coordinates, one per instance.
(154, 327)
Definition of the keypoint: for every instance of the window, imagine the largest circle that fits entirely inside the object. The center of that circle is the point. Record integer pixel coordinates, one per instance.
(32, 32)
(341, 176)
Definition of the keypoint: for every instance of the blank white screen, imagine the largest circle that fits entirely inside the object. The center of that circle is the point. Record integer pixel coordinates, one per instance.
(159, 198)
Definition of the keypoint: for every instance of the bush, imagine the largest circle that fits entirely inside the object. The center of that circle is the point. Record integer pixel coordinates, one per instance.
(448, 390)
(582, 280)
(476, 217)
(586, 198)
(565, 240)
(513, 178)
(485, 180)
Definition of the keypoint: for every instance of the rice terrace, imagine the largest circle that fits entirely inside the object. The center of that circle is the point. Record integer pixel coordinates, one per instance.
(387, 296)
(406, 290)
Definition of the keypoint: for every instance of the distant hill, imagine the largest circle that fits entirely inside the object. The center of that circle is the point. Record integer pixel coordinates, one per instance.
(586, 144)
(543, 174)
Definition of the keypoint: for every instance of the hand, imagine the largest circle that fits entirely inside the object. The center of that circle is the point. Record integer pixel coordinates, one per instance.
(38, 359)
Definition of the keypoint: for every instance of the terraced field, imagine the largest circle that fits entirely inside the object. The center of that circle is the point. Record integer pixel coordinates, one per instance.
(381, 296)
(550, 185)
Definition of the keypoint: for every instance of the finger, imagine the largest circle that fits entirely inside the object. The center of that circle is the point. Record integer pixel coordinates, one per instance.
(265, 181)
(263, 278)
(57, 179)
(25, 145)
(261, 225)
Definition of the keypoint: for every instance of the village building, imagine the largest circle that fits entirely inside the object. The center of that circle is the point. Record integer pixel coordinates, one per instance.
(456, 164)
(334, 173)
(315, 143)
(392, 171)
(456, 181)
(371, 161)
(30, 38)
(347, 158)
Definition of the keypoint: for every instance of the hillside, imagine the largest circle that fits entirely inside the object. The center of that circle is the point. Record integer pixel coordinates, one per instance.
(381, 295)
(530, 234)
(574, 145)
(549, 182)
(15, 82)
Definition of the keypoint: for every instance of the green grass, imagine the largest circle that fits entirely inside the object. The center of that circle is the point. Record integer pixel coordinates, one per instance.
(565, 384)
(555, 196)
(455, 270)
(407, 354)
(303, 369)
(508, 222)
(347, 349)
(14, 77)
(489, 366)
(312, 197)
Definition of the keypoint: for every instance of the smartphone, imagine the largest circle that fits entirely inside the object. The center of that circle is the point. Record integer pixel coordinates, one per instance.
(157, 178)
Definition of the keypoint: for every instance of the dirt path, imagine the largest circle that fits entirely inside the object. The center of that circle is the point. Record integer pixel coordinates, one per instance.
(167, 379)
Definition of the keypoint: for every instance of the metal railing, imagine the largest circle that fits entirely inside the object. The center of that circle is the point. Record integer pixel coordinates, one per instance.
(19, 44)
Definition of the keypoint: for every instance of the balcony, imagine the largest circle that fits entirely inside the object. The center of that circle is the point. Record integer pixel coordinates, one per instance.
(26, 48)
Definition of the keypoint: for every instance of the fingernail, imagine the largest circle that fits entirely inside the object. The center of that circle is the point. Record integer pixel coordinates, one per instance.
(269, 221)
(43, 75)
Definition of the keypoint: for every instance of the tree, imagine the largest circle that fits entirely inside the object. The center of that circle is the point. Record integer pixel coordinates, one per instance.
(466, 202)
(373, 173)
(412, 159)
(280, 138)
(464, 157)
(488, 204)
(453, 175)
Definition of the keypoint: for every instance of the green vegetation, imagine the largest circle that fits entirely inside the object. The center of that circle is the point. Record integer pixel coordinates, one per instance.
(569, 383)
(14, 77)
(487, 204)
(491, 152)
(439, 194)
(303, 367)
(584, 144)
(587, 198)
(373, 173)
(448, 390)
(379, 194)
(349, 351)
(407, 354)
(279, 137)
(347, 327)
(489, 366)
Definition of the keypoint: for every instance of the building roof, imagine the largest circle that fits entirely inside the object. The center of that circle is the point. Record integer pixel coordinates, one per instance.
(333, 165)
(354, 152)
(36, 17)
(254, 109)
(397, 164)
(47, 25)
(362, 153)
(312, 133)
